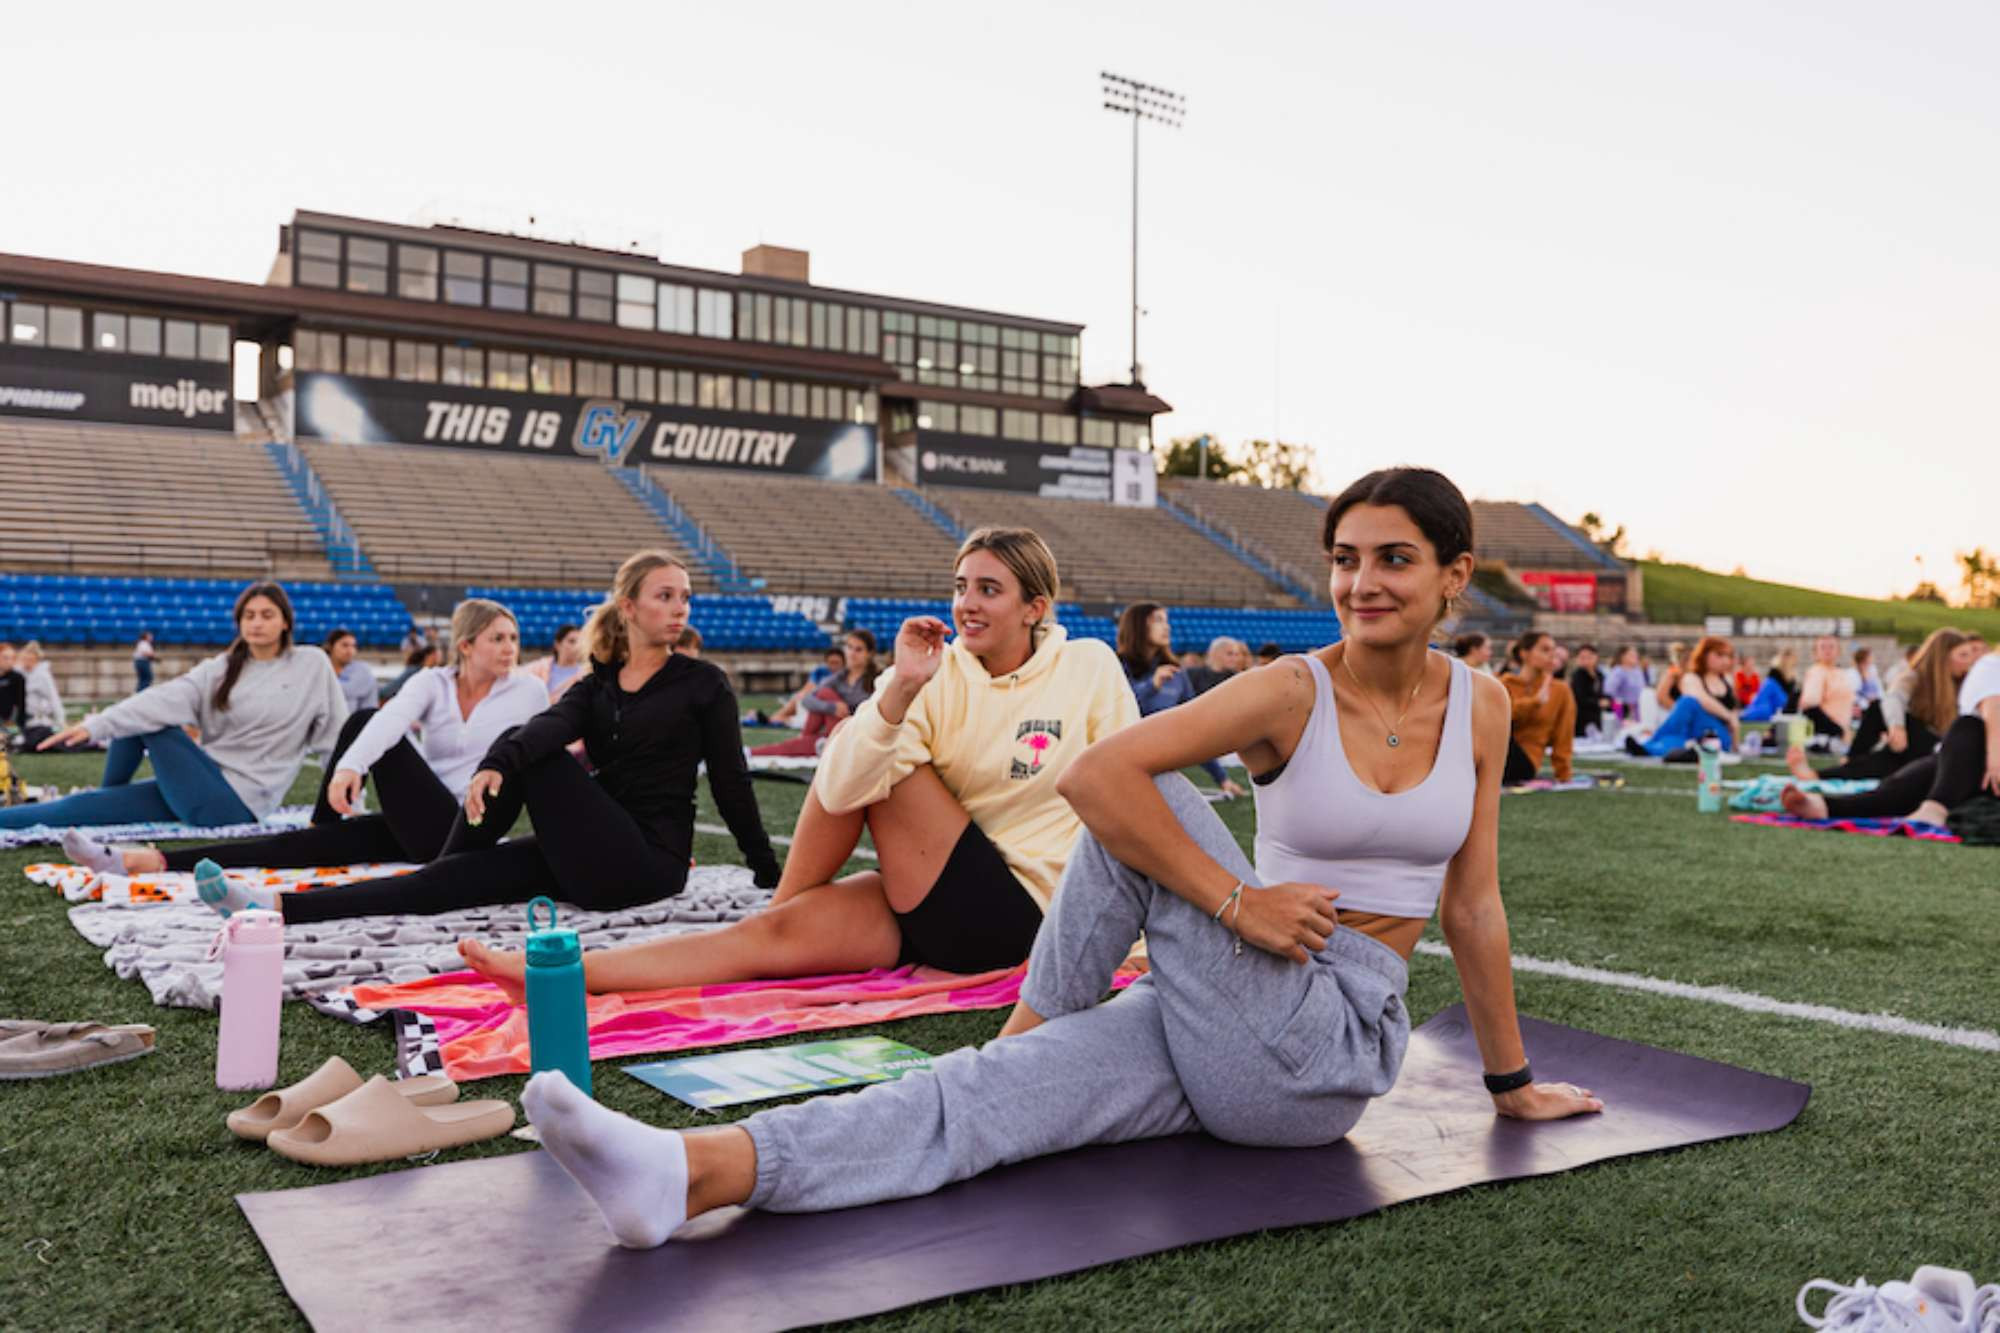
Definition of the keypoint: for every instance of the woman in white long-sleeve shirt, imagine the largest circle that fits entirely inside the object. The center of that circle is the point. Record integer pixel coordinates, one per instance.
(459, 711)
(261, 706)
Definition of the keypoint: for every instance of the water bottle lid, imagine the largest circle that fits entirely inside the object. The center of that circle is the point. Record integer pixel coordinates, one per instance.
(256, 927)
(550, 946)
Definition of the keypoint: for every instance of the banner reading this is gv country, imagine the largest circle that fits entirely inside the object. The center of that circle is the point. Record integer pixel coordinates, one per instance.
(368, 411)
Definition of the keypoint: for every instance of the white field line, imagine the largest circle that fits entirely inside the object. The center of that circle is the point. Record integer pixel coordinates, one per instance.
(1973, 1038)
(860, 853)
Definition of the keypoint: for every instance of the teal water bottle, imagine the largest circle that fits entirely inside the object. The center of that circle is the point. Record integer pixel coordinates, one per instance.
(558, 1022)
(1708, 796)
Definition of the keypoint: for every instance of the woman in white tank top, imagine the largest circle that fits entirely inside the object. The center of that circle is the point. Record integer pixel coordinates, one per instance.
(1273, 1013)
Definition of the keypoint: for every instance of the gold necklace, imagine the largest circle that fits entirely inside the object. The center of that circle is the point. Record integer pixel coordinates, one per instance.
(1362, 690)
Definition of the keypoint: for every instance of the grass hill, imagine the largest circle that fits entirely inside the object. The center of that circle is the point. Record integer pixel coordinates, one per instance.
(1684, 594)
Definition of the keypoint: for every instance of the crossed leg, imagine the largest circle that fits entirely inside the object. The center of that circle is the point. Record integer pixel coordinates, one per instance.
(815, 923)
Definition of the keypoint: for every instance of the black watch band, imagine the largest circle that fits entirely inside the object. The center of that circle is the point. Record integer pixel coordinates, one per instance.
(1499, 1083)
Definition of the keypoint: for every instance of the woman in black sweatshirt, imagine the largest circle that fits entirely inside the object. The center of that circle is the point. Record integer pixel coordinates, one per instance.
(647, 718)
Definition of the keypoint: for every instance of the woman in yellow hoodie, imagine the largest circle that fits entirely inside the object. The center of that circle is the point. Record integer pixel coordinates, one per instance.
(951, 767)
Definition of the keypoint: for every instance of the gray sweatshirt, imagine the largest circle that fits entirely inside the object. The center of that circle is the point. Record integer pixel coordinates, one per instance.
(45, 705)
(278, 711)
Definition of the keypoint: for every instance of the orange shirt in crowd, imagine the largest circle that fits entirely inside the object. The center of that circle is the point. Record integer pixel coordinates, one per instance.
(1543, 724)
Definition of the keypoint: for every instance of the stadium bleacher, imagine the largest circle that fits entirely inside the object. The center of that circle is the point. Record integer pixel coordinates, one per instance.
(728, 624)
(148, 501)
(440, 516)
(1115, 553)
(1279, 526)
(801, 535)
(1193, 626)
(99, 611)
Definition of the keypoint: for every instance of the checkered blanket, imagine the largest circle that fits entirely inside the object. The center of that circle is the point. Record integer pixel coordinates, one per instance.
(282, 820)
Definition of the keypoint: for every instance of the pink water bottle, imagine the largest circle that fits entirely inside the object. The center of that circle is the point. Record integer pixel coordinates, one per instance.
(252, 947)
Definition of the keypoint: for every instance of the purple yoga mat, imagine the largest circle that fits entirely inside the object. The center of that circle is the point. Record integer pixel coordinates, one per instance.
(510, 1242)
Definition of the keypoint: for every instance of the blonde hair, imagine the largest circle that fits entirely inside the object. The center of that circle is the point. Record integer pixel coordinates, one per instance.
(469, 620)
(1933, 693)
(604, 633)
(1028, 558)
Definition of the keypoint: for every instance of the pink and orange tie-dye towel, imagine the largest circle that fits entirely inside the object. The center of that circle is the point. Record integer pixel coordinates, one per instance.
(1871, 828)
(468, 1028)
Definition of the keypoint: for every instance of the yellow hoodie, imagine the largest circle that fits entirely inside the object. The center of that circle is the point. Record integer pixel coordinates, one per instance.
(998, 743)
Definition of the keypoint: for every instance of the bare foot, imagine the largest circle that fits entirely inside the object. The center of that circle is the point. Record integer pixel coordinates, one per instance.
(504, 969)
(1803, 804)
(1795, 759)
(1930, 812)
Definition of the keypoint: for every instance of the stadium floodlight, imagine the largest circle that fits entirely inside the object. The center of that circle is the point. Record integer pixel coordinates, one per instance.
(1140, 101)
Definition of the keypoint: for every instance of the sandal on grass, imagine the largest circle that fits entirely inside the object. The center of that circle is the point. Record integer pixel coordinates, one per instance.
(333, 1080)
(66, 1048)
(374, 1123)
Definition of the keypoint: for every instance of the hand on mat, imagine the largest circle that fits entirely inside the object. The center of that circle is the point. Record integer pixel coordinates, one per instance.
(342, 789)
(75, 735)
(1547, 1101)
(919, 648)
(1290, 920)
(485, 783)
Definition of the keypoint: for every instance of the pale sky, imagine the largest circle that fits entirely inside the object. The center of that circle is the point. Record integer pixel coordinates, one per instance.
(1723, 272)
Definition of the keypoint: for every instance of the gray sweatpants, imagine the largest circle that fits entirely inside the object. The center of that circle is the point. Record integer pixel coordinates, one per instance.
(1253, 1048)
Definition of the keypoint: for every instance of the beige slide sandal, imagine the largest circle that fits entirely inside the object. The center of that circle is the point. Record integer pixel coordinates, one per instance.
(376, 1124)
(66, 1048)
(329, 1083)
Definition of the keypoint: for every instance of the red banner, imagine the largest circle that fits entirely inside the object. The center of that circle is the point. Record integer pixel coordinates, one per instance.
(1562, 590)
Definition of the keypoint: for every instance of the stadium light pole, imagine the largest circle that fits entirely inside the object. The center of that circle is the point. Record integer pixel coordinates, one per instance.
(1140, 101)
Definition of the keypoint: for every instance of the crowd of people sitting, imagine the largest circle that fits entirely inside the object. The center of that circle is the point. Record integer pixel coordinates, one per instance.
(1023, 794)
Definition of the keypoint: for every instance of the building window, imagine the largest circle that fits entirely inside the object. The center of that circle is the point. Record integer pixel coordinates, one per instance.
(180, 341)
(548, 374)
(215, 343)
(318, 259)
(978, 421)
(416, 363)
(683, 388)
(107, 332)
(66, 328)
(712, 314)
(416, 272)
(1058, 428)
(1133, 435)
(1019, 425)
(367, 266)
(1099, 433)
(365, 356)
(675, 313)
(593, 296)
(464, 278)
(801, 321)
(938, 416)
(305, 350)
(746, 319)
(593, 379)
(763, 332)
(507, 370)
(817, 406)
(142, 334)
(635, 301)
(725, 393)
(552, 283)
(508, 284)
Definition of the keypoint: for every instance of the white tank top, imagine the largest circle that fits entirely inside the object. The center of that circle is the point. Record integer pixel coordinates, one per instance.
(1317, 823)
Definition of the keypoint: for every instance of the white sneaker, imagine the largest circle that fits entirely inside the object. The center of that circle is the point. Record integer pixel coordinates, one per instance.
(1942, 1300)
(1986, 1314)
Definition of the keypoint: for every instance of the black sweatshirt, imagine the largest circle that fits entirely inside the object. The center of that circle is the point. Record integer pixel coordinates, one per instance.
(646, 746)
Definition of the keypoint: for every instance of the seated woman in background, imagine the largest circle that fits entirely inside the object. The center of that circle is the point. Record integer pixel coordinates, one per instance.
(1475, 650)
(43, 704)
(834, 701)
(1705, 705)
(460, 711)
(1586, 684)
(562, 670)
(420, 658)
(1544, 710)
(260, 707)
(1827, 695)
(1905, 723)
(1145, 646)
(1779, 691)
(1967, 761)
(1625, 682)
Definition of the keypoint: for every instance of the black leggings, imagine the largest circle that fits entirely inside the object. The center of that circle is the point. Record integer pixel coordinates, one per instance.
(415, 819)
(1823, 723)
(1520, 768)
(1950, 777)
(586, 850)
(1864, 760)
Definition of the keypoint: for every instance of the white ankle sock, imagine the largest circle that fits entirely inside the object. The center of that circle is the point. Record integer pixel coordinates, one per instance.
(637, 1175)
(84, 850)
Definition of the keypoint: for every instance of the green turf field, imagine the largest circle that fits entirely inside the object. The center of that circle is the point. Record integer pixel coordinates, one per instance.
(1683, 593)
(118, 1183)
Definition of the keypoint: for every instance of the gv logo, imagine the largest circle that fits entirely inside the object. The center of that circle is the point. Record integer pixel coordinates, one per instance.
(605, 428)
